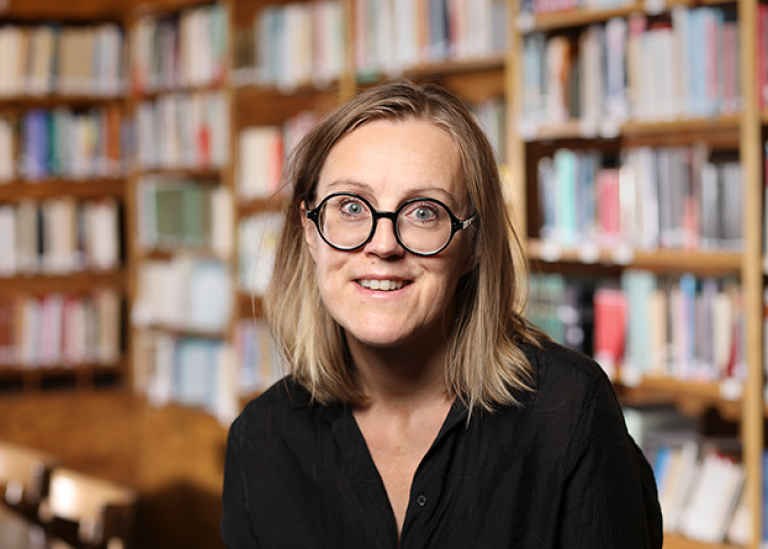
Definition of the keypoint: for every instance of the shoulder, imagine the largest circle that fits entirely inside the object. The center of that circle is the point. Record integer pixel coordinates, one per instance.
(559, 369)
(573, 398)
(264, 417)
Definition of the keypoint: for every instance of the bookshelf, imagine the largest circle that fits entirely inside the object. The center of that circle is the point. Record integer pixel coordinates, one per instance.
(63, 292)
(738, 131)
(254, 93)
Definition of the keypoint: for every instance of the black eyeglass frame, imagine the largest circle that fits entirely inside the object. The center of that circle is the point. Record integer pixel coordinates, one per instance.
(456, 223)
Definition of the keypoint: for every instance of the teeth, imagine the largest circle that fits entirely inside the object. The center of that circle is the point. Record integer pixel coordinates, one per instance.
(383, 285)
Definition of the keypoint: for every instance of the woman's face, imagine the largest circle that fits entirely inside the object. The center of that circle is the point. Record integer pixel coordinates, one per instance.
(388, 163)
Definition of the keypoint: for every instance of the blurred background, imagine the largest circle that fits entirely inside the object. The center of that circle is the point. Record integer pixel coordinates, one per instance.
(141, 147)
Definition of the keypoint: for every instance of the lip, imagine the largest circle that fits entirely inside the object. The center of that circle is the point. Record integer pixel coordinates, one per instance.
(406, 282)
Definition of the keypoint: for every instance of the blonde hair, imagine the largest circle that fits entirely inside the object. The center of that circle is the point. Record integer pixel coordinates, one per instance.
(486, 366)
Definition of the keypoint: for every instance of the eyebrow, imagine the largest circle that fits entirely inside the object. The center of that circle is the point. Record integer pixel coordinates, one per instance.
(366, 187)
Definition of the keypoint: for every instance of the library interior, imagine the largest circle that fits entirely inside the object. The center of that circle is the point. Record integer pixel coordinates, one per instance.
(167, 124)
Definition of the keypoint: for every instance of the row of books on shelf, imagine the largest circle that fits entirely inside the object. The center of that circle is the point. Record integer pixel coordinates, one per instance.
(59, 236)
(207, 373)
(61, 143)
(57, 329)
(183, 294)
(257, 245)
(262, 151)
(175, 212)
(293, 45)
(187, 49)
(188, 371)
(681, 65)
(683, 328)
(183, 131)
(665, 197)
(62, 59)
(538, 7)
(391, 37)
(700, 479)
(258, 358)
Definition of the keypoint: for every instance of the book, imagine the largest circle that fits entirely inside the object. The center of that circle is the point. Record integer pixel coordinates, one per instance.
(183, 131)
(665, 197)
(59, 236)
(188, 49)
(395, 36)
(257, 241)
(190, 371)
(61, 330)
(177, 212)
(184, 293)
(683, 64)
(258, 358)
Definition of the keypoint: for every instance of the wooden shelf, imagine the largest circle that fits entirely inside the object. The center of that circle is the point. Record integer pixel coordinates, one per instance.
(78, 376)
(303, 89)
(258, 205)
(578, 129)
(190, 173)
(248, 305)
(579, 18)
(692, 397)
(675, 541)
(74, 102)
(450, 67)
(152, 95)
(86, 188)
(181, 331)
(76, 283)
(163, 254)
(715, 262)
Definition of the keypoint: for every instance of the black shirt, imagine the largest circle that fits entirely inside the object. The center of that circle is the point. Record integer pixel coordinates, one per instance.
(560, 471)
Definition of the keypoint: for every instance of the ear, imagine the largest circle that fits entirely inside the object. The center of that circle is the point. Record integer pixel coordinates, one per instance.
(310, 232)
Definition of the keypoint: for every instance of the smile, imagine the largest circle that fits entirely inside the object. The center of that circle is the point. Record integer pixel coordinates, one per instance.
(382, 285)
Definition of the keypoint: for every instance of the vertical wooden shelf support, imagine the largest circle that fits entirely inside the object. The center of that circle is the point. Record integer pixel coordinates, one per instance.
(752, 274)
(515, 145)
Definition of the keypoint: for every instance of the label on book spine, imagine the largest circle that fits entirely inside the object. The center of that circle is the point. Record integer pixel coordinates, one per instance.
(550, 252)
(654, 7)
(731, 389)
(526, 22)
(588, 252)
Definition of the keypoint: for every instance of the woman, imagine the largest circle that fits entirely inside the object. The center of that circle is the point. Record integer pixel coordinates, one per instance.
(422, 410)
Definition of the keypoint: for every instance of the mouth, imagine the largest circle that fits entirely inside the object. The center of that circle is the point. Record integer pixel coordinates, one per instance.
(382, 285)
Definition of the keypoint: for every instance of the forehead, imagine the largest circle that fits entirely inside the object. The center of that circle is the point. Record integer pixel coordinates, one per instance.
(394, 157)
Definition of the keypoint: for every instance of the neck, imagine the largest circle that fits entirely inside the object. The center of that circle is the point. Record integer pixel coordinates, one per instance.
(402, 375)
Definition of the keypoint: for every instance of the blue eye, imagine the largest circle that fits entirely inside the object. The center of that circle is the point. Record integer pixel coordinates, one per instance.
(423, 213)
(353, 208)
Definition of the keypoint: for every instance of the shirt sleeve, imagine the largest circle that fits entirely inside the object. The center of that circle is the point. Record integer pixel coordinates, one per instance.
(610, 498)
(236, 526)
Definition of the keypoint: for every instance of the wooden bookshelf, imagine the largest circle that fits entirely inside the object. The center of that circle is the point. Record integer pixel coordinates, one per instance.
(80, 282)
(149, 447)
(578, 129)
(582, 17)
(692, 397)
(699, 262)
(52, 101)
(740, 402)
(672, 541)
(40, 190)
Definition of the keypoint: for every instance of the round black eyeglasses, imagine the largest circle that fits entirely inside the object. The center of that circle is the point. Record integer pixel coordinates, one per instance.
(423, 226)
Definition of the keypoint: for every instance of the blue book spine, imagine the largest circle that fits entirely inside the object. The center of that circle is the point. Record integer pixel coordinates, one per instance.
(565, 174)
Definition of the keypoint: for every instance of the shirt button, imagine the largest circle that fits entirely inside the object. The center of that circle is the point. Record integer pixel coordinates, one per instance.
(421, 500)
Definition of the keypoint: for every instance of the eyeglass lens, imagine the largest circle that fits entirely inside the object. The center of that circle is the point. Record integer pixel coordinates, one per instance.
(423, 226)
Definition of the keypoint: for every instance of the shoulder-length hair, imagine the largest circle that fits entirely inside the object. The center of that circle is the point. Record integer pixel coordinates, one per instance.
(486, 366)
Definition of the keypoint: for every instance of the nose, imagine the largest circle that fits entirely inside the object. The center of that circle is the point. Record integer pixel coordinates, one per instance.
(384, 242)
